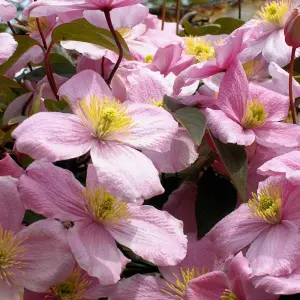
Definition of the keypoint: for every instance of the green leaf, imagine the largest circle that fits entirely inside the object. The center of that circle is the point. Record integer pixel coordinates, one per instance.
(216, 198)
(24, 44)
(54, 105)
(202, 30)
(36, 106)
(7, 95)
(60, 65)
(82, 31)
(8, 82)
(228, 25)
(234, 158)
(193, 120)
(171, 104)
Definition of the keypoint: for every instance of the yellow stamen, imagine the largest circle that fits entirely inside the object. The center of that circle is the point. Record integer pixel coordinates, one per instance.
(252, 68)
(10, 253)
(73, 288)
(32, 25)
(274, 12)
(156, 103)
(106, 118)
(148, 59)
(266, 204)
(201, 49)
(177, 290)
(125, 32)
(228, 295)
(105, 207)
(254, 116)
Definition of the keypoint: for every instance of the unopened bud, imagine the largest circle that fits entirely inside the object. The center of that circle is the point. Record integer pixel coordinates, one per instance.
(292, 29)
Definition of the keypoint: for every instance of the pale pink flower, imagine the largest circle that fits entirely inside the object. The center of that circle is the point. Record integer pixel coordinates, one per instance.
(268, 225)
(250, 113)
(8, 47)
(8, 167)
(50, 7)
(100, 219)
(112, 131)
(77, 286)
(34, 257)
(7, 11)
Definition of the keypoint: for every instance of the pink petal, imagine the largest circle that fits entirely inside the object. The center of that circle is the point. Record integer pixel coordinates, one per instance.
(155, 128)
(53, 136)
(125, 17)
(137, 177)
(274, 252)
(53, 192)
(7, 12)
(12, 209)
(88, 83)
(234, 92)
(141, 287)
(48, 257)
(95, 251)
(228, 131)
(274, 134)
(181, 205)
(275, 105)
(11, 292)
(8, 167)
(182, 154)
(152, 234)
(287, 164)
(8, 46)
(207, 287)
(236, 231)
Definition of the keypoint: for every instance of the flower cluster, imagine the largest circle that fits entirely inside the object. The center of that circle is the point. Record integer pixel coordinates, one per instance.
(136, 163)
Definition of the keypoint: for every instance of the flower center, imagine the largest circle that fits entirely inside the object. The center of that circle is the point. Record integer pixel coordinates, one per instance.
(157, 103)
(148, 59)
(10, 252)
(228, 295)
(266, 204)
(104, 207)
(274, 12)
(32, 24)
(254, 116)
(73, 288)
(125, 32)
(199, 48)
(177, 290)
(252, 68)
(106, 118)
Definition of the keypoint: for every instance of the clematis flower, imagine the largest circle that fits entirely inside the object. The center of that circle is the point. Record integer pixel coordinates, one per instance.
(8, 47)
(110, 130)
(77, 286)
(250, 113)
(268, 225)
(49, 7)
(35, 257)
(8, 167)
(100, 219)
(270, 39)
(7, 11)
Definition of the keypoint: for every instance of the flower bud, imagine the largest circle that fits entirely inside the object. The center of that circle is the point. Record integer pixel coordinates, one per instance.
(292, 29)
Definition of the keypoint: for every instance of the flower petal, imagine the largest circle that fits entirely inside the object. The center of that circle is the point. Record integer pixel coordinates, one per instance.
(8, 46)
(125, 172)
(53, 192)
(52, 136)
(95, 251)
(154, 235)
(8, 167)
(11, 292)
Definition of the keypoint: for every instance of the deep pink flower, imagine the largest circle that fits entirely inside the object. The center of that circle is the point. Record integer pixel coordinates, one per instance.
(112, 131)
(8, 47)
(250, 113)
(100, 218)
(35, 257)
(77, 286)
(268, 224)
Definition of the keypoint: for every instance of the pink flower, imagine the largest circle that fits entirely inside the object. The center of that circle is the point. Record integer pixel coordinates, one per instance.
(112, 131)
(250, 113)
(49, 7)
(268, 224)
(101, 219)
(7, 11)
(35, 257)
(8, 167)
(8, 47)
(78, 285)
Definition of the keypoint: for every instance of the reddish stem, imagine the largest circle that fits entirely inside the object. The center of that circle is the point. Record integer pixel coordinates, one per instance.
(163, 16)
(291, 85)
(178, 6)
(102, 67)
(114, 33)
(11, 28)
(240, 8)
(41, 33)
